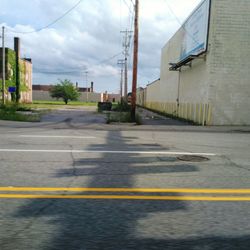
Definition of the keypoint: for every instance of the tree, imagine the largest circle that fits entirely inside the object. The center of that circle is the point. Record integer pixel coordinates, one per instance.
(65, 90)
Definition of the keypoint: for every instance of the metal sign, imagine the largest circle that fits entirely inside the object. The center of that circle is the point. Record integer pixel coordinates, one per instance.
(12, 89)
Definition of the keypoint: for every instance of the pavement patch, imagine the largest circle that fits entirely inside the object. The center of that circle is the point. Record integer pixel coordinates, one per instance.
(192, 158)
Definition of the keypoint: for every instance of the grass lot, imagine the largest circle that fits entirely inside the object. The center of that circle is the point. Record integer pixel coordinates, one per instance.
(31, 112)
(74, 103)
(58, 104)
(13, 116)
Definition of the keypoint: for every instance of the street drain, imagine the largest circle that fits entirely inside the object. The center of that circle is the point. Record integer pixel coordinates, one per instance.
(193, 158)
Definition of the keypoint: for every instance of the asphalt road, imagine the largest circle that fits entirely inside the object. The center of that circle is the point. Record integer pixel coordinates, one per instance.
(66, 186)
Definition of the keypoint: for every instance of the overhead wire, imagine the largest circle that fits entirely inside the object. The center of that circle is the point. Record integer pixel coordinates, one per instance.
(50, 24)
(132, 2)
(180, 22)
(110, 58)
(130, 25)
(74, 71)
(128, 6)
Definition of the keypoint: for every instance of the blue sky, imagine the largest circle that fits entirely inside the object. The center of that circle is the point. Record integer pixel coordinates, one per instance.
(89, 35)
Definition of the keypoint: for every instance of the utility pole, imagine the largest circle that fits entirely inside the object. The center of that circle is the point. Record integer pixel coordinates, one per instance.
(121, 62)
(126, 45)
(3, 67)
(135, 61)
(17, 50)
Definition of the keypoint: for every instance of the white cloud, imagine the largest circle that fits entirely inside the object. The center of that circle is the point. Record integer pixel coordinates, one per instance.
(90, 34)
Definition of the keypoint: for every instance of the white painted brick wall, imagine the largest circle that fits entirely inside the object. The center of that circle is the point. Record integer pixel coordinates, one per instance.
(223, 79)
(229, 62)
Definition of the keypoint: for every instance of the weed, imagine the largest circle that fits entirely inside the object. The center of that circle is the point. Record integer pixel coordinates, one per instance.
(13, 112)
(122, 117)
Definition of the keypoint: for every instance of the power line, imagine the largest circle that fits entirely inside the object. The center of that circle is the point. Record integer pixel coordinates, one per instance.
(50, 24)
(173, 13)
(126, 44)
(132, 2)
(73, 72)
(181, 23)
(128, 6)
(37, 70)
(110, 58)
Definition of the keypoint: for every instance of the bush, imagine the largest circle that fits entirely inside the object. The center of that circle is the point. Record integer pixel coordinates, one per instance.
(104, 106)
(122, 117)
(13, 107)
(65, 90)
(11, 112)
(122, 106)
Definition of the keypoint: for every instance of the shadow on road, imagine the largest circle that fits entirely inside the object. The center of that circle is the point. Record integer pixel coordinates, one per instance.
(116, 224)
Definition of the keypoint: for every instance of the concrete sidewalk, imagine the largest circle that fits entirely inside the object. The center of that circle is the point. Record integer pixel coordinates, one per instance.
(90, 119)
(151, 118)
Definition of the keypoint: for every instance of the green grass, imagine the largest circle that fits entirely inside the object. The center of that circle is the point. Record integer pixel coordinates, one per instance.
(58, 104)
(13, 112)
(121, 106)
(13, 116)
(71, 103)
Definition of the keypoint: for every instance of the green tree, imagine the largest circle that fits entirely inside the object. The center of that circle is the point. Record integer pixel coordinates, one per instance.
(65, 90)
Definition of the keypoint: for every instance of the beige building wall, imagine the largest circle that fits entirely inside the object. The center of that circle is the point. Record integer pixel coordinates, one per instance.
(153, 90)
(114, 97)
(214, 90)
(90, 97)
(141, 96)
(229, 88)
(26, 96)
(39, 95)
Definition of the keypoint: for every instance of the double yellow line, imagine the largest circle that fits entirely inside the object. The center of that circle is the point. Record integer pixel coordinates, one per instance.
(66, 193)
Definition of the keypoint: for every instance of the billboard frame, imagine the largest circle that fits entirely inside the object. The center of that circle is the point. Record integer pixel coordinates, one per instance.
(187, 60)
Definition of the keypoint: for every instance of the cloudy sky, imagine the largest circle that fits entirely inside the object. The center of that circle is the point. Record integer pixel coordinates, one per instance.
(88, 38)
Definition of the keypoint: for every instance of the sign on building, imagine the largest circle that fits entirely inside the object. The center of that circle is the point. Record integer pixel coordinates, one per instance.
(195, 31)
(12, 89)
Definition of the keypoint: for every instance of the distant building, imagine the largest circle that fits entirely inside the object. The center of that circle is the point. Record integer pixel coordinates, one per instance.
(39, 87)
(41, 93)
(25, 67)
(47, 87)
(105, 97)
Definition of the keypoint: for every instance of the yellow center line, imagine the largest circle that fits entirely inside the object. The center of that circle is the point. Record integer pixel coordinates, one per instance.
(136, 190)
(124, 197)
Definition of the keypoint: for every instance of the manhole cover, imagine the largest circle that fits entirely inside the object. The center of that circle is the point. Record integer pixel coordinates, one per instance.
(194, 158)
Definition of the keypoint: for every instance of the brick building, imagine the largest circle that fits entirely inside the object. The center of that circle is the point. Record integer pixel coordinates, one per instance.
(25, 73)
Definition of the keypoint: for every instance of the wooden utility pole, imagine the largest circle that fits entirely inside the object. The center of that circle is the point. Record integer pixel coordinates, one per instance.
(3, 67)
(135, 61)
